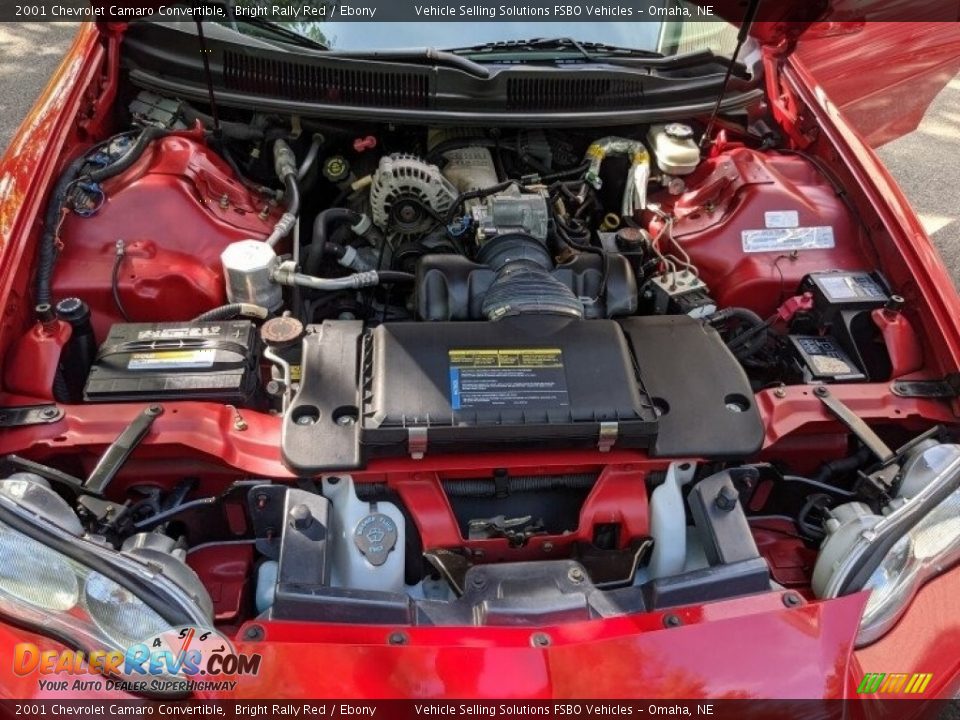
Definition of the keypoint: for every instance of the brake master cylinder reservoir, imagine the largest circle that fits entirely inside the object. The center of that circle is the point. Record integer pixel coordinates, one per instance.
(367, 539)
(674, 149)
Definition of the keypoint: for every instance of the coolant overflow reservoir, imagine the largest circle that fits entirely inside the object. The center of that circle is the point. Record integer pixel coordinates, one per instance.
(368, 539)
(674, 148)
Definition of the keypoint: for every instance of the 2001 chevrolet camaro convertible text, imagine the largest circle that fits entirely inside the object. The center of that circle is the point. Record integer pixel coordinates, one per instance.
(588, 365)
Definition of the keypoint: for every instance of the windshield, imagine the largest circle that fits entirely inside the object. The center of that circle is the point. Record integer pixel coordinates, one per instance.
(444, 35)
(667, 38)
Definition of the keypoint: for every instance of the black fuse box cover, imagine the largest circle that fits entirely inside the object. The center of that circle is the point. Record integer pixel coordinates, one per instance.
(214, 361)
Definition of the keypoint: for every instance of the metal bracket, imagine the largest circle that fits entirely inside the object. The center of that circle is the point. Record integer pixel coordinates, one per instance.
(120, 449)
(945, 389)
(855, 424)
(417, 442)
(608, 436)
(20, 415)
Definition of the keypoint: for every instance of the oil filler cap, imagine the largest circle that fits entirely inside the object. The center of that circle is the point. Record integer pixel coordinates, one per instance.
(375, 536)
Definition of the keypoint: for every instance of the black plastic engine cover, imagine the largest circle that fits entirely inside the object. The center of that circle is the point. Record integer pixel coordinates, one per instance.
(704, 398)
(523, 382)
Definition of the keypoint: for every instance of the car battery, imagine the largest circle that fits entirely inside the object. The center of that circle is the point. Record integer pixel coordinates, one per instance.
(843, 301)
(215, 361)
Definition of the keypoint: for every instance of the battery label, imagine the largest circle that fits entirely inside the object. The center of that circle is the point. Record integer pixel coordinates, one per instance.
(842, 287)
(507, 378)
(172, 360)
(788, 239)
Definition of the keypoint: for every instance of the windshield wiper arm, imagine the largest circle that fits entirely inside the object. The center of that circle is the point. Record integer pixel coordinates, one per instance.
(427, 54)
(596, 52)
(276, 29)
(589, 50)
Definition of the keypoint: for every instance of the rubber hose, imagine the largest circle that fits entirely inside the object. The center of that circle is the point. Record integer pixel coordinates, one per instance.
(228, 129)
(748, 317)
(392, 276)
(833, 469)
(232, 310)
(146, 137)
(321, 230)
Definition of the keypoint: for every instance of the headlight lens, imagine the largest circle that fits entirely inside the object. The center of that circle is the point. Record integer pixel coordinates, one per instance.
(119, 614)
(42, 587)
(930, 547)
(34, 574)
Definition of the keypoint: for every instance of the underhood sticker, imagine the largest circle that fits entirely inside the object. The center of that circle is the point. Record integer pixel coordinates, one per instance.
(781, 218)
(488, 379)
(788, 239)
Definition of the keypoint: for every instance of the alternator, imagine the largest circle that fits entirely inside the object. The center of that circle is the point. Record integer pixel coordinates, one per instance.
(407, 195)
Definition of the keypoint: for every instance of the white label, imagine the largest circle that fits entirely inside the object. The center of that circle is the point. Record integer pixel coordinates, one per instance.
(788, 239)
(781, 218)
(172, 360)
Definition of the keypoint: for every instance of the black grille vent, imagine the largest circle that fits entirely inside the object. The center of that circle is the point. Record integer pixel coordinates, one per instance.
(572, 93)
(328, 85)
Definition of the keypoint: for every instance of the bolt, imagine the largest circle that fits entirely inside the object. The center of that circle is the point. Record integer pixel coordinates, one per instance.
(346, 420)
(262, 501)
(270, 533)
(478, 581)
(540, 639)
(791, 599)
(155, 410)
(575, 575)
(547, 547)
(780, 393)
(672, 621)
(305, 420)
(821, 391)
(253, 632)
(301, 516)
(239, 424)
(50, 412)
(726, 499)
(398, 638)
(224, 201)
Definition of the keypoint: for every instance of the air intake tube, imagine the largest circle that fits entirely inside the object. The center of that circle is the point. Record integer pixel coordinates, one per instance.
(523, 284)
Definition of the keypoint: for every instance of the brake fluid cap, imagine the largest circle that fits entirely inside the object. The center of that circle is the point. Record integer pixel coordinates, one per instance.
(375, 536)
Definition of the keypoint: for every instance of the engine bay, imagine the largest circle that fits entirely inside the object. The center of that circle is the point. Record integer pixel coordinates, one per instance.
(396, 374)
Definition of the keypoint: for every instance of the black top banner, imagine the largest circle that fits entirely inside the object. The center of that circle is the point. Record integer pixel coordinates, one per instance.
(505, 11)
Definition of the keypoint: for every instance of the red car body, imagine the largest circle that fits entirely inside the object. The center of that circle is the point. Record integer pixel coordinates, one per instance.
(763, 646)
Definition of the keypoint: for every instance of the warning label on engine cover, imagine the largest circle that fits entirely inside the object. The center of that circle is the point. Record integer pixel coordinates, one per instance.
(507, 378)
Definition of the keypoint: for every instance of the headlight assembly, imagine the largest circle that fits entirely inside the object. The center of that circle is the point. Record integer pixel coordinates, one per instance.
(82, 591)
(894, 554)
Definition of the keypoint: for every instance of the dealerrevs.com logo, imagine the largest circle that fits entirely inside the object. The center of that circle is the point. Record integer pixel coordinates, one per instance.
(184, 659)
(894, 683)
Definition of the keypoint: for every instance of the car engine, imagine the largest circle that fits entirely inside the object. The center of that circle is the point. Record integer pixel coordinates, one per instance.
(431, 375)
